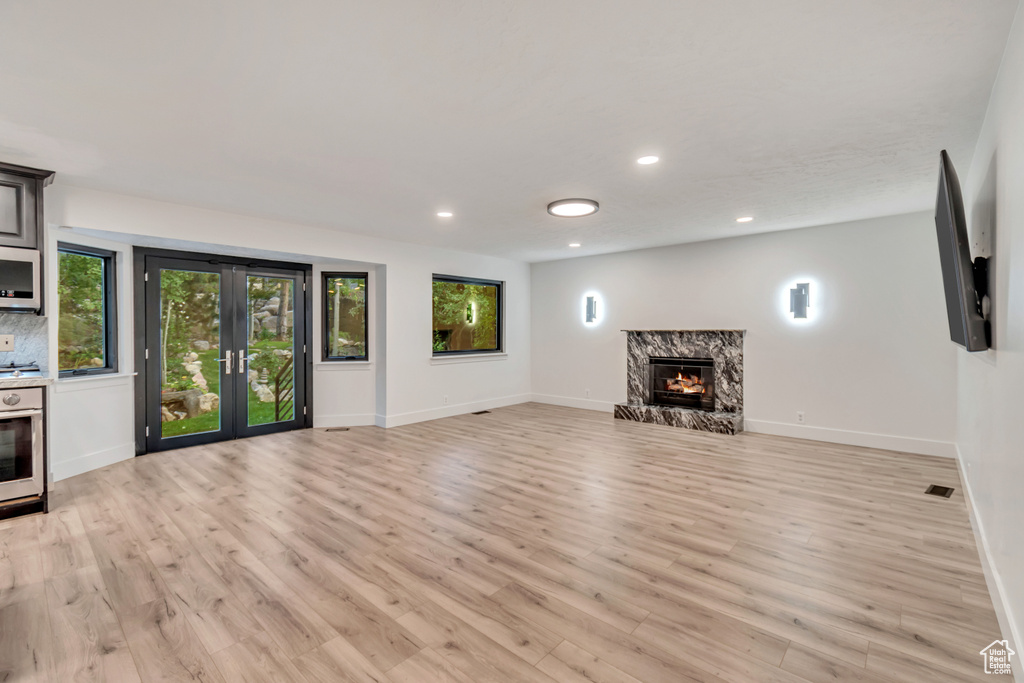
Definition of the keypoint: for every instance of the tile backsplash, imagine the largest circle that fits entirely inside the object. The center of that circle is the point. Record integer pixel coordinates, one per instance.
(30, 339)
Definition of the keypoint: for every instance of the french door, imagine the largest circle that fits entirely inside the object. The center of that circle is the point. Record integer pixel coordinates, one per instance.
(225, 351)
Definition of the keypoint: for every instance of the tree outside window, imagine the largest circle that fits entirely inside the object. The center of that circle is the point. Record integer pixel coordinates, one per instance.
(467, 315)
(345, 321)
(85, 301)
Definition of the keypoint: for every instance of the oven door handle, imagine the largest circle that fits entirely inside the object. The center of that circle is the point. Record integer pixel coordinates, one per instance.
(15, 414)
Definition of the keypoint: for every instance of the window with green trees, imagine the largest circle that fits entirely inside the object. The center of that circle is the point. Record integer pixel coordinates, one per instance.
(85, 302)
(345, 328)
(467, 315)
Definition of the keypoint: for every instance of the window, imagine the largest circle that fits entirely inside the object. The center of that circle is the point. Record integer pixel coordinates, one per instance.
(86, 311)
(467, 315)
(345, 329)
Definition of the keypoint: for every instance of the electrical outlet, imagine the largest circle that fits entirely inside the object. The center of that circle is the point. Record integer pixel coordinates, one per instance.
(6, 342)
(446, 400)
(799, 417)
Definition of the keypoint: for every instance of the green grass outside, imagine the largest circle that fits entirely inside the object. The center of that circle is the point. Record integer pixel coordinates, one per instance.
(259, 413)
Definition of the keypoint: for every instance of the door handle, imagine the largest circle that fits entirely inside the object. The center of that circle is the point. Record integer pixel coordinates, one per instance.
(227, 359)
(242, 358)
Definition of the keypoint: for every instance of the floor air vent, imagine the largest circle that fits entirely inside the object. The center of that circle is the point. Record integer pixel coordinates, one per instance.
(943, 491)
(338, 429)
(482, 412)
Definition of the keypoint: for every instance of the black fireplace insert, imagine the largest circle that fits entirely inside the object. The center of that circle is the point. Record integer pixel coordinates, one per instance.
(686, 382)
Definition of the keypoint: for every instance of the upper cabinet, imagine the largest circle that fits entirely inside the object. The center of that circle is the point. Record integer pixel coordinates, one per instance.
(21, 205)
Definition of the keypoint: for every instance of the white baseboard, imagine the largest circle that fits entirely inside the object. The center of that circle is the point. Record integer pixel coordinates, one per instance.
(1007, 623)
(321, 421)
(449, 411)
(571, 402)
(92, 461)
(943, 449)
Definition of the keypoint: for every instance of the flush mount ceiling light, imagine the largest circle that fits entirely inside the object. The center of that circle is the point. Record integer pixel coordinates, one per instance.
(574, 245)
(651, 159)
(745, 219)
(571, 208)
(444, 214)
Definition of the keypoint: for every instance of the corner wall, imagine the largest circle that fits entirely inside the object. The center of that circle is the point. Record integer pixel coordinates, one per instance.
(90, 420)
(990, 384)
(345, 393)
(873, 366)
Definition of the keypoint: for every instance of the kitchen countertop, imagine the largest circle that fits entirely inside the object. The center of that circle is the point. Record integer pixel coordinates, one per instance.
(18, 382)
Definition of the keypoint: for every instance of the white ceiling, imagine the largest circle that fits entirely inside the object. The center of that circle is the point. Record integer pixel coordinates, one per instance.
(372, 116)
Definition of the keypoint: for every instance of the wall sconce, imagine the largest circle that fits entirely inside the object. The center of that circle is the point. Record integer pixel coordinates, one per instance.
(470, 313)
(591, 310)
(800, 299)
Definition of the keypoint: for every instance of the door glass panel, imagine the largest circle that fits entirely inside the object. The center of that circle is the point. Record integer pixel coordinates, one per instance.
(190, 346)
(270, 369)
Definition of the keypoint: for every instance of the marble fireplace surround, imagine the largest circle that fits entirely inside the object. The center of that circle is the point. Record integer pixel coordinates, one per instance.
(724, 346)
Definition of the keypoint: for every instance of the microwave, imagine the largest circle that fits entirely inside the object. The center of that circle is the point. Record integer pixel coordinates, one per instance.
(19, 279)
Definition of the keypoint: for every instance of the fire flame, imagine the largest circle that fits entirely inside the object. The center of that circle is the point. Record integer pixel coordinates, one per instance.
(685, 385)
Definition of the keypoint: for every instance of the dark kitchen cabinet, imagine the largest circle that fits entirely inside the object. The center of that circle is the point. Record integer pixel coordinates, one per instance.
(21, 205)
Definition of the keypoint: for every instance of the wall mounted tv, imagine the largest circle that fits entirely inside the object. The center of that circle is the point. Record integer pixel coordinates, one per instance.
(965, 281)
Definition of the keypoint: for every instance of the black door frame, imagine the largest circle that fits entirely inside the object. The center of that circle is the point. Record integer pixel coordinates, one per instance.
(227, 315)
(240, 296)
(139, 256)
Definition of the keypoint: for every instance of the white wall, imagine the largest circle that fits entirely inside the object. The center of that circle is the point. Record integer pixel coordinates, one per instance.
(874, 368)
(89, 425)
(90, 419)
(403, 383)
(345, 393)
(991, 384)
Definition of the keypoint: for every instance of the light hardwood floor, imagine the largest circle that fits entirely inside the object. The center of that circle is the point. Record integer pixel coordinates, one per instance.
(534, 543)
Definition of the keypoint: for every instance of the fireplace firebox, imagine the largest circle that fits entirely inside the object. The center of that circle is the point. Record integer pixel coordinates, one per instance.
(686, 382)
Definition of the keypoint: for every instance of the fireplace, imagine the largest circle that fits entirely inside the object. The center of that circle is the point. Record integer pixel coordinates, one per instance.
(685, 378)
(685, 382)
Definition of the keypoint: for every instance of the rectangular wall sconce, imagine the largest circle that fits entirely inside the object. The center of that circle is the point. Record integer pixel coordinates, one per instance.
(591, 309)
(800, 299)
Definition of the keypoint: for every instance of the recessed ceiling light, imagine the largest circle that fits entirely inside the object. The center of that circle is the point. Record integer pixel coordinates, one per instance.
(647, 160)
(571, 208)
(444, 214)
(745, 219)
(574, 245)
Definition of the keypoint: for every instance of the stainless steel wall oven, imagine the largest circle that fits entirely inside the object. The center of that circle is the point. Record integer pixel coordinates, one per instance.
(22, 471)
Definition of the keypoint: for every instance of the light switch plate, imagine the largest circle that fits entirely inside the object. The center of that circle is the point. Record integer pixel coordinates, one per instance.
(6, 342)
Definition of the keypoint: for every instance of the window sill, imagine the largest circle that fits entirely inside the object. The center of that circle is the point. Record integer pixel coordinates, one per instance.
(82, 382)
(335, 365)
(468, 358)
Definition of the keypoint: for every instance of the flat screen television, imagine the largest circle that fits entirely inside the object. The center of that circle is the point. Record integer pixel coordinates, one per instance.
(965, 281)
